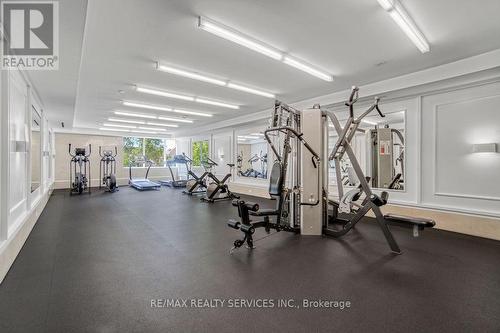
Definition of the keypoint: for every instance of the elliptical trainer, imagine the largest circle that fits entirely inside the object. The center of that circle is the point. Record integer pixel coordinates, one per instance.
(107, 169)
(78, 177)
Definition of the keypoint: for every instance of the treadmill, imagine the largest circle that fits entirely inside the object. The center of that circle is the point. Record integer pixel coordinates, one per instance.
(142, 184)
(178, 159)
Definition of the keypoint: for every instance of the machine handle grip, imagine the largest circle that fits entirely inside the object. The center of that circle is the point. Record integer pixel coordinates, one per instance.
(352, 99)
(116, 152)
(100, 151)
(69, 148)
(377, 99)
(90, 150)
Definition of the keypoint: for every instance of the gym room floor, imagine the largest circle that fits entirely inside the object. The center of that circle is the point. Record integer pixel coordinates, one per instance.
(94, 263)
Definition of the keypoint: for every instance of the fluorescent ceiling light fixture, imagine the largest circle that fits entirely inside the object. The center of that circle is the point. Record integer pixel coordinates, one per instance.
(144, 132)
(152, 128)
(164, 94)
(146, 106)
(405, 22)
(204, 78)
(185, 97)
(307, 68)
(163, 108)
(176, 119)
(189, 74)
(237, 37)
(221, 104)
(256, 134)
(162, 124)
(117, 125)
(112, 129)
(193, 113)
(250, 90)
(126, 121)
(138, 115)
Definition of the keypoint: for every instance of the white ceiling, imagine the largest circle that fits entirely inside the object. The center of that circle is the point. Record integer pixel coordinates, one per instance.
(123, 38)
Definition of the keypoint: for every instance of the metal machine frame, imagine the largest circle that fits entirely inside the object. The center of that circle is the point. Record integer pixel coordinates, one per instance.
(302, 190)
(107, 169)
(178, 159)
(218, 189)
(142, 184)
(78, 178)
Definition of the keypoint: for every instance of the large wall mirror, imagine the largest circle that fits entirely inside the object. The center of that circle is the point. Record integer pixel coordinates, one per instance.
(35, 149)
(251, 154)
(379, 146)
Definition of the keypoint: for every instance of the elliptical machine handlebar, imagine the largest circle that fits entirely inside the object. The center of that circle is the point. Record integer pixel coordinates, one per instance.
(74, 155)
(116, 152)
(90, 151)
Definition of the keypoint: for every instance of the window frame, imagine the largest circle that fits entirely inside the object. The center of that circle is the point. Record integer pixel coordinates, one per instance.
(143, 140)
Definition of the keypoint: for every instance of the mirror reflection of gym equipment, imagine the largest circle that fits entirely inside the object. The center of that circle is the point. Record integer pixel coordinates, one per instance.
(35, 149)
(379, 146)
(251, 158)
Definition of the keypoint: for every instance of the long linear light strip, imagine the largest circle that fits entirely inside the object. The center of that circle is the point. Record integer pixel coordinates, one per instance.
(120, 126)
(204, 78)
(187, 121)
(135, 127)
(161, 108)
(145, 116)
(127, 121)
(126, 130)
(147, 106)
(237, 37)
(185, 97)
(161, 124)
(405, 22)
(131, 114)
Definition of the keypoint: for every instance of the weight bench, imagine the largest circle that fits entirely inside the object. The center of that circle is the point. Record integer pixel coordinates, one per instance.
(415, 223)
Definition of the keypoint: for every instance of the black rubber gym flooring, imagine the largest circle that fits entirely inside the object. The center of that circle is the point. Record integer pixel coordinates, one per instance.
(94, 263)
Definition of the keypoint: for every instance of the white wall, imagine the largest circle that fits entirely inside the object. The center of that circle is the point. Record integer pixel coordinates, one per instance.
(20, 208)
(62, 140)
(452, 176)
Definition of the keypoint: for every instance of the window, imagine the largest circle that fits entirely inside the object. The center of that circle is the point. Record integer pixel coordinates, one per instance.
(154, 151)
(200, 152)
(135, 150)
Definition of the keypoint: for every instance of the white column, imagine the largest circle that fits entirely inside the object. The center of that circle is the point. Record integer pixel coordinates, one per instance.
(311, 217)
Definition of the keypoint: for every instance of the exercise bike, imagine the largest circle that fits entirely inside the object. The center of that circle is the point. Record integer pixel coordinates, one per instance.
(218, 189)
(197, 184)
(78, 166)
(107, 169)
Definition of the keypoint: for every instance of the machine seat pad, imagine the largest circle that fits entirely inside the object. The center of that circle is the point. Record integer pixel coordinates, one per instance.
(264, 212)
(410, 221)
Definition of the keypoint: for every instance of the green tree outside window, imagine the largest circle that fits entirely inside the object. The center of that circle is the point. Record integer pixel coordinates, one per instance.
(199, 152)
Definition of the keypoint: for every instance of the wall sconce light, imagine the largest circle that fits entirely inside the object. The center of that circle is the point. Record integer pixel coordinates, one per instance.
(484, 148)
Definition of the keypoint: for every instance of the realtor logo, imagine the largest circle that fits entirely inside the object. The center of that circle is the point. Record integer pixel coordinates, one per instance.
(31, 35)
